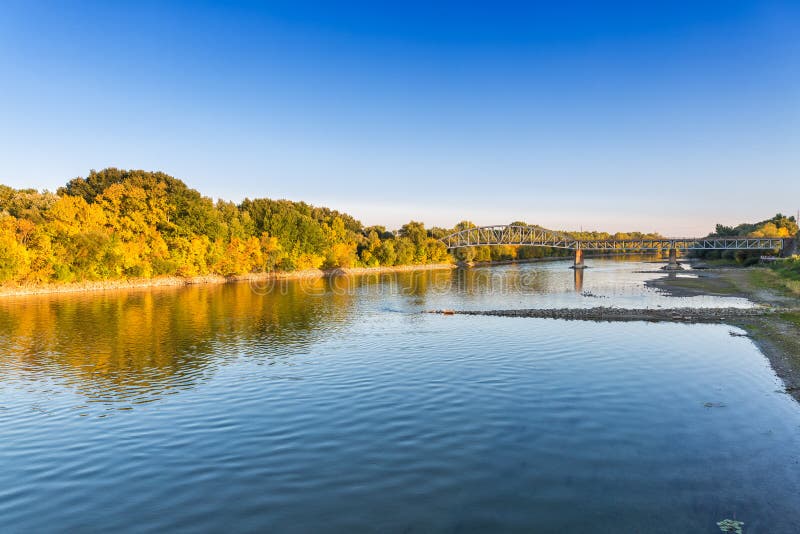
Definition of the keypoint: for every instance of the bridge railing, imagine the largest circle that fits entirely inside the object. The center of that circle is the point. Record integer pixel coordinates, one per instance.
(542, 237)
(508, 235)
(684, 244)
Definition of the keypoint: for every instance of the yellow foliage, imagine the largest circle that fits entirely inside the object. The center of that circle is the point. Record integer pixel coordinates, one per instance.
(309, 261)
(271, 252)
(342, 255)
(73, 215)
(770, 230)
(241, 256)
(14, 257)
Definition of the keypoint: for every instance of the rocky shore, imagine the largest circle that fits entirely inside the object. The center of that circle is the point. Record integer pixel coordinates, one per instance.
(683, 315)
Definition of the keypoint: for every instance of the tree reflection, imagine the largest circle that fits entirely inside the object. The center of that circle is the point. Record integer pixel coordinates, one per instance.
(137, 345)
(578, 280)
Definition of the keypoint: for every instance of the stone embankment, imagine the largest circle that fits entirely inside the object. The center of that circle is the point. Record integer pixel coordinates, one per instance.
(684, 315)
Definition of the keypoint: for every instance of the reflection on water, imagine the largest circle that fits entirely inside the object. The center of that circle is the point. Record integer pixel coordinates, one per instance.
(138, 345)
(578, 275)
(335, 406)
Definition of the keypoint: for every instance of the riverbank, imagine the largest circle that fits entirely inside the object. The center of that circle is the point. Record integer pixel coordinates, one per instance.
(177, 281)
(773, 324)
(776, 334)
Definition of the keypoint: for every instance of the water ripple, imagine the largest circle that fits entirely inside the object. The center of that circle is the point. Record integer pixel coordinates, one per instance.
(219, 409)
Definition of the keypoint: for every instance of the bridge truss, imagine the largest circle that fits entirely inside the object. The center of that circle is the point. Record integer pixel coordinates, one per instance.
(541, 237)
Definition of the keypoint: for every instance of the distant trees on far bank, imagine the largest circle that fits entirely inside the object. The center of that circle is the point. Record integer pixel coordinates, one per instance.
(778, 226)
(118, 223)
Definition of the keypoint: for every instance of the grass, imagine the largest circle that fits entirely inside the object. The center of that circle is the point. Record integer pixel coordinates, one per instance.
(789, 273)
(791, 317)
(785, 280)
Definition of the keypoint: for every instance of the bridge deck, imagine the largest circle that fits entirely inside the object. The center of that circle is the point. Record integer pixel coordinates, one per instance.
(537, 236)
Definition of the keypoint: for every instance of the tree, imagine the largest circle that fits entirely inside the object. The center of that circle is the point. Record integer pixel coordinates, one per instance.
(14, 257)
(415, 232)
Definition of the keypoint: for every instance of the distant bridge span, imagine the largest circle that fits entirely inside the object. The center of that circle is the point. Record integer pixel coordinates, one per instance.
(537, 236)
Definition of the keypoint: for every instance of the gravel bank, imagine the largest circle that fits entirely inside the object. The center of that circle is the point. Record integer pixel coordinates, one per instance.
(683, 315)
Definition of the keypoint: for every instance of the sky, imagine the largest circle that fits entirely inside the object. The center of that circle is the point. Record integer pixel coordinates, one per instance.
(660, 116)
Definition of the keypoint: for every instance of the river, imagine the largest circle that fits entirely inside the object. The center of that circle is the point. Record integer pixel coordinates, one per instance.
(335, 405)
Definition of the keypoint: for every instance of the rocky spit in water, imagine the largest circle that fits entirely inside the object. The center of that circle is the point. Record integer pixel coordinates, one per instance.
(684, 315)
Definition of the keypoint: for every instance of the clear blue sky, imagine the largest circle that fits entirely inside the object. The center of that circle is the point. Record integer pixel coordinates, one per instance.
(648, 115)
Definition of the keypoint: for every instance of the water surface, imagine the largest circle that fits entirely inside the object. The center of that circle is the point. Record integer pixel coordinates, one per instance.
(334, 406)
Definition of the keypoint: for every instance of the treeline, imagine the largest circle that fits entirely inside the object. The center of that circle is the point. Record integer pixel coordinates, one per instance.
(130, 223)
(778, 226)
(117, 223)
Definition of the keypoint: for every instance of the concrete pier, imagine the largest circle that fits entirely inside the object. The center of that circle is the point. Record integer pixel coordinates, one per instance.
(579, 259)
(673, 264)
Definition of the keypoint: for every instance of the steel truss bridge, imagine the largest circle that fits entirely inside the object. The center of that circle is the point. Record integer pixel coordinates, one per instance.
(537, 236)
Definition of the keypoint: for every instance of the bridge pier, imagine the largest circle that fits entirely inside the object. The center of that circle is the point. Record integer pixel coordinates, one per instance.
(578, 259)
(673, 264)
